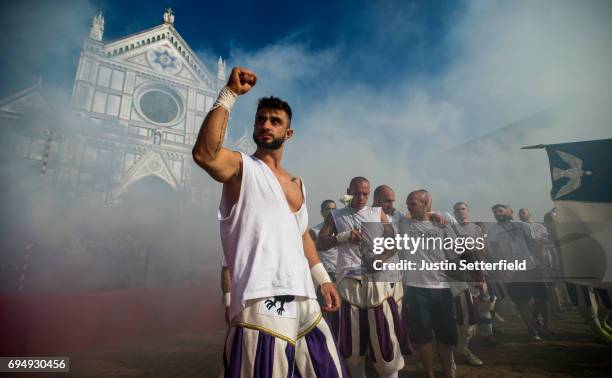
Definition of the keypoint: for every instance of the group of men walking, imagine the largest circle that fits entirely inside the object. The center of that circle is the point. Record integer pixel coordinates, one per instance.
(384, 313)
(274, 266)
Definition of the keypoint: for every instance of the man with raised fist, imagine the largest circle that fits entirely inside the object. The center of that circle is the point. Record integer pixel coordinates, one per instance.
(276, 326)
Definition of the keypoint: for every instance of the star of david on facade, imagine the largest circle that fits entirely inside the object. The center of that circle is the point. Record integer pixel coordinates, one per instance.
(164, 59)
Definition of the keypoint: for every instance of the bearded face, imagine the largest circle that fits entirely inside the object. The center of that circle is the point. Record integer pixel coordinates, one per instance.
(267, 141)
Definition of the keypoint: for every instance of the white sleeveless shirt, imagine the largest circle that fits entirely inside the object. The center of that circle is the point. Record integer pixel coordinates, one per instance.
(262, 239)
(328, 257)
(349, 254)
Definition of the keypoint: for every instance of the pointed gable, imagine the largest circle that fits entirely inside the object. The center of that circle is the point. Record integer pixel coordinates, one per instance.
(27, 102)
(152, 163)
(161, 49)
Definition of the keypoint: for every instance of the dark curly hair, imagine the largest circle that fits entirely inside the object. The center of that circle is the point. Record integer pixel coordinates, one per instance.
(274, 103)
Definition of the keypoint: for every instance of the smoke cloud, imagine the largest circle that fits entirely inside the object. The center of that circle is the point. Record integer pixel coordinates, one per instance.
(515, 74)
(500, 75)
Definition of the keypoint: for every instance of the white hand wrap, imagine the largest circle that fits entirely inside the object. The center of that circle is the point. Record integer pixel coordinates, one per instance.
(227, 299)
(226, 99)
(319, 274)
(343, 237)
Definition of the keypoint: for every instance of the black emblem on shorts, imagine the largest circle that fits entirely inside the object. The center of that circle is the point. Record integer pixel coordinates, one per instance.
(279, 298)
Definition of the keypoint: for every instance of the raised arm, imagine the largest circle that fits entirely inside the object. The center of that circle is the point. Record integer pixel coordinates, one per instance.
(221, 163)
(326, 238)
(388, 232)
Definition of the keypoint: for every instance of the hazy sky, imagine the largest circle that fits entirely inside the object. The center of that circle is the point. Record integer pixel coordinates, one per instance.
(383, 89)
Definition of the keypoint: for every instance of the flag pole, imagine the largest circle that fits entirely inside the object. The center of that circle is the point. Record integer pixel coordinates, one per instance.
(535, 147)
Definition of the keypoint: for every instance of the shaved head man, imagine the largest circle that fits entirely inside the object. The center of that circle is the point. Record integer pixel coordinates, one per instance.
(430, 308)
(359, 188)
(384, 197)
(512, 240)
(364, 300)
(419, 204)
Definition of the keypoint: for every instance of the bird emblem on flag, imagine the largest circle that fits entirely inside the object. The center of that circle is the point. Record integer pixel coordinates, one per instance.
(574, 174)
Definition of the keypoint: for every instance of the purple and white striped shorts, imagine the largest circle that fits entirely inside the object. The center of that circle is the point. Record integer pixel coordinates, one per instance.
(296, 343)
(370, 321)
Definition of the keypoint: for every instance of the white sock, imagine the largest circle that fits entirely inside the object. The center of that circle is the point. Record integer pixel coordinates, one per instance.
(392, 375)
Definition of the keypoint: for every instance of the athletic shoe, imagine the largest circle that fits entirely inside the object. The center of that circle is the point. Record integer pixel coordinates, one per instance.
(472, 359)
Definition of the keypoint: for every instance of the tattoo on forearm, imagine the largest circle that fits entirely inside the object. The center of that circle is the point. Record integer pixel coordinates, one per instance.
(221, 136)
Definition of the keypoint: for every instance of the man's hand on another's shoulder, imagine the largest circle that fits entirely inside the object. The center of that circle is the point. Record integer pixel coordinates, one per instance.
(438, 219)
(241, 80)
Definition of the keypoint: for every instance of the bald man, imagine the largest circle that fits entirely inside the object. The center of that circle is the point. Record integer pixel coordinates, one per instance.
(384, 197)
(512, 240)
(429, 301)
(369, 316)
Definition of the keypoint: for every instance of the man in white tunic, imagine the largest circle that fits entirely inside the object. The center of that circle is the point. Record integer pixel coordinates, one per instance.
(384, 197)
(328, 258)
(369, 314)
(513, 240)
(430, 310)
(276, 326)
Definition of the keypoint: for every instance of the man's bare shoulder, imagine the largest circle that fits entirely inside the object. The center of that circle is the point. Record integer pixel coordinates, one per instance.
(236, 179)
(293, 178)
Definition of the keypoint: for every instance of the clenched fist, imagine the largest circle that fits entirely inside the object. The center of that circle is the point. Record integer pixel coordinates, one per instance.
(241, 80)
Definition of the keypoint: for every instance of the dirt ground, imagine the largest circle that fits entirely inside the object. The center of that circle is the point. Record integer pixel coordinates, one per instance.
(570, 352)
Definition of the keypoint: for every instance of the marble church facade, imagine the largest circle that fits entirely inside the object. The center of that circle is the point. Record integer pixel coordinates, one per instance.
(137, 105)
